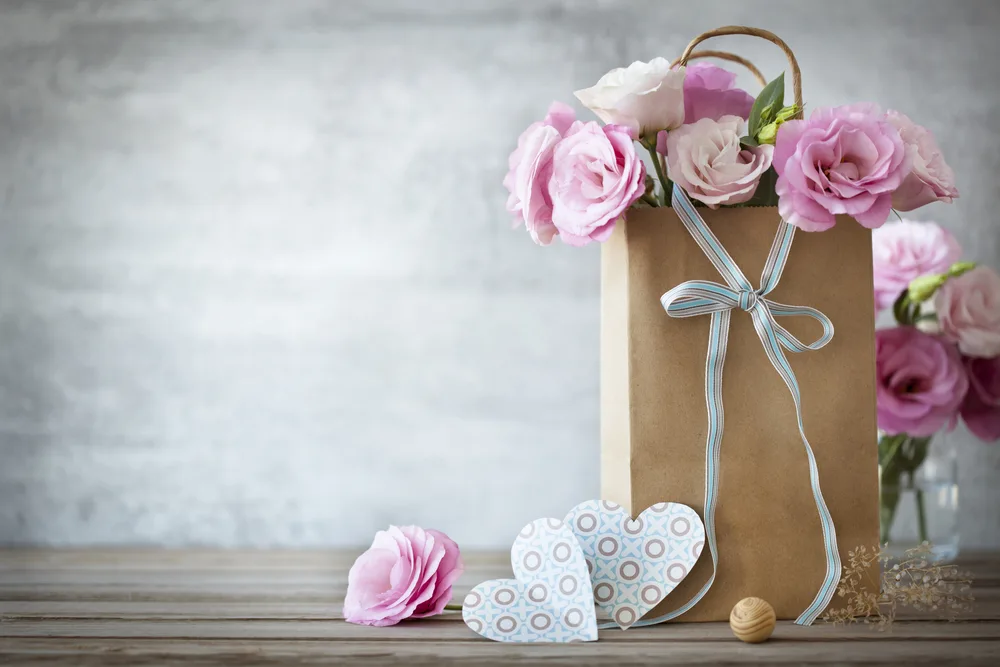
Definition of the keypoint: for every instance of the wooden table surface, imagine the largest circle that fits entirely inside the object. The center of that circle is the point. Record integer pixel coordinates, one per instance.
(134, 607)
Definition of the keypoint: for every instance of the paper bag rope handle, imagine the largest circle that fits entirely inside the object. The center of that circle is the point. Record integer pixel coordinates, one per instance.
(753, 32)
(731, 57)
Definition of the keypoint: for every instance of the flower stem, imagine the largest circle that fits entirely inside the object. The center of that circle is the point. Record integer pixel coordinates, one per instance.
(650, 200)
(453, 607)
(658, 166)
(896, 442)
(887, 512)
(921, 515)
(889, 491)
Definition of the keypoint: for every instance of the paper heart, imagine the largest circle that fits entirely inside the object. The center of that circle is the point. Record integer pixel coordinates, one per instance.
(635, 564)
(550, 598)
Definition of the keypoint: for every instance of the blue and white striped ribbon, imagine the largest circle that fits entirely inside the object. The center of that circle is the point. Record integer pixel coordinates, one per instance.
(702, 297)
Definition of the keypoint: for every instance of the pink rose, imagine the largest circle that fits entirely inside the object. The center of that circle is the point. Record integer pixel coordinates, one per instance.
(843, 160)
(981, 408)
(530, 169)
(968, 310)
(596, 176)
(407, 573)
(706, 159)
(920, 382)
(906, 250)
(711, 92)
(931, 179)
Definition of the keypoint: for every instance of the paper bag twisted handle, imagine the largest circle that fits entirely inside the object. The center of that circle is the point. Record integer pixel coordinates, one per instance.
(726, 55)
(702, 297)
(793, 64)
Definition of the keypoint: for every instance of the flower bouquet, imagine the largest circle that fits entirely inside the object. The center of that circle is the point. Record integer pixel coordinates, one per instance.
(576, 180)
(940, 361)
(785, 466)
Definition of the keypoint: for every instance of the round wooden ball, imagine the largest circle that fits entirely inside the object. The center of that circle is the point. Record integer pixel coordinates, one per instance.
(752, 620)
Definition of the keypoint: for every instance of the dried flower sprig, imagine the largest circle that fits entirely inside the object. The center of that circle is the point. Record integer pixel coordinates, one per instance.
(914, 581)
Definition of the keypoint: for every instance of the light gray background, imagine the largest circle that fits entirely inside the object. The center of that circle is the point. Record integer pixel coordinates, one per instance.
(257, 284)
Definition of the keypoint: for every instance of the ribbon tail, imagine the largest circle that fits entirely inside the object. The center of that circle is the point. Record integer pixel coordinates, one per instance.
(765, 330)
(714, 362)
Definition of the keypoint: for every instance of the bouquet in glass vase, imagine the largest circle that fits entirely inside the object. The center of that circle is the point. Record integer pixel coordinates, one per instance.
(940, 363)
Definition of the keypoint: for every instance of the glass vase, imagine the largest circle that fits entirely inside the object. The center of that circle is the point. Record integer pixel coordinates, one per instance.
(918, 496)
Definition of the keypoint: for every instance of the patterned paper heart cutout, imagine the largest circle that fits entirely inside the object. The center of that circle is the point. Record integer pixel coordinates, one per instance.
(550, 598)
(635, 564)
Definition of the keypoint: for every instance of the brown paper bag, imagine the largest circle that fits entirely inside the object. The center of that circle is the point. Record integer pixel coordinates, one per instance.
(653, 410)
(653, 413)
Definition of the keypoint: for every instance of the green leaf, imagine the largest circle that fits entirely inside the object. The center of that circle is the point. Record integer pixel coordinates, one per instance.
(748, 142)
(764, 107)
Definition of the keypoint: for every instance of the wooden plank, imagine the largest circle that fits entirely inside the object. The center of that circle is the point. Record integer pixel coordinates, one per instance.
(888, 651)
(986, 564)
(145, 607)
(450, 628)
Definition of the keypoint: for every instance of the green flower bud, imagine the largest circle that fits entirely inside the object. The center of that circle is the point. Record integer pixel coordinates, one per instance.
(787, 112)
(958, 268)
(768, 133)
(923, 288)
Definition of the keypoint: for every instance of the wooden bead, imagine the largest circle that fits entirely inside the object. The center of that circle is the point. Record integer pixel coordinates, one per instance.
(752, 620)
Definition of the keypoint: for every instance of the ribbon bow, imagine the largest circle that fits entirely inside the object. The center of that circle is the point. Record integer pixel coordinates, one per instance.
(702, 297)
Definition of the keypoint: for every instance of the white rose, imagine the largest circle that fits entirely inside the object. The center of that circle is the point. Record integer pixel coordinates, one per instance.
(646, 97)
(706, 159)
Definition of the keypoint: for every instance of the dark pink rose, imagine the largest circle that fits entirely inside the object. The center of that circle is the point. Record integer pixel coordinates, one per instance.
(842, 161)
(406, 573)
(920, 382)
(981, 408)
(711, 92)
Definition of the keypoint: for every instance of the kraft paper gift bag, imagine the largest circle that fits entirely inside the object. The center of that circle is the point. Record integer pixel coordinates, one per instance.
(697, 392)
(654, 415)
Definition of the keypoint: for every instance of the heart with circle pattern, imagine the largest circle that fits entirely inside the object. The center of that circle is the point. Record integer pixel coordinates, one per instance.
(635, 564)
(549, 600)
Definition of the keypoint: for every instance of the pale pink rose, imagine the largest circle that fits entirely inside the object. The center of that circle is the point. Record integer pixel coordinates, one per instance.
(981, 409)
(843, 160)
(596, 176)
(706, 159)
(530, 167)
(711, 92)
(906, 250)
(968, 310)
(646, 97)
(407, 572)
(920, 382)
(931, 179)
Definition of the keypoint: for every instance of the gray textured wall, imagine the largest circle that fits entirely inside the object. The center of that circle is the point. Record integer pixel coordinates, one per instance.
(257, 285)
